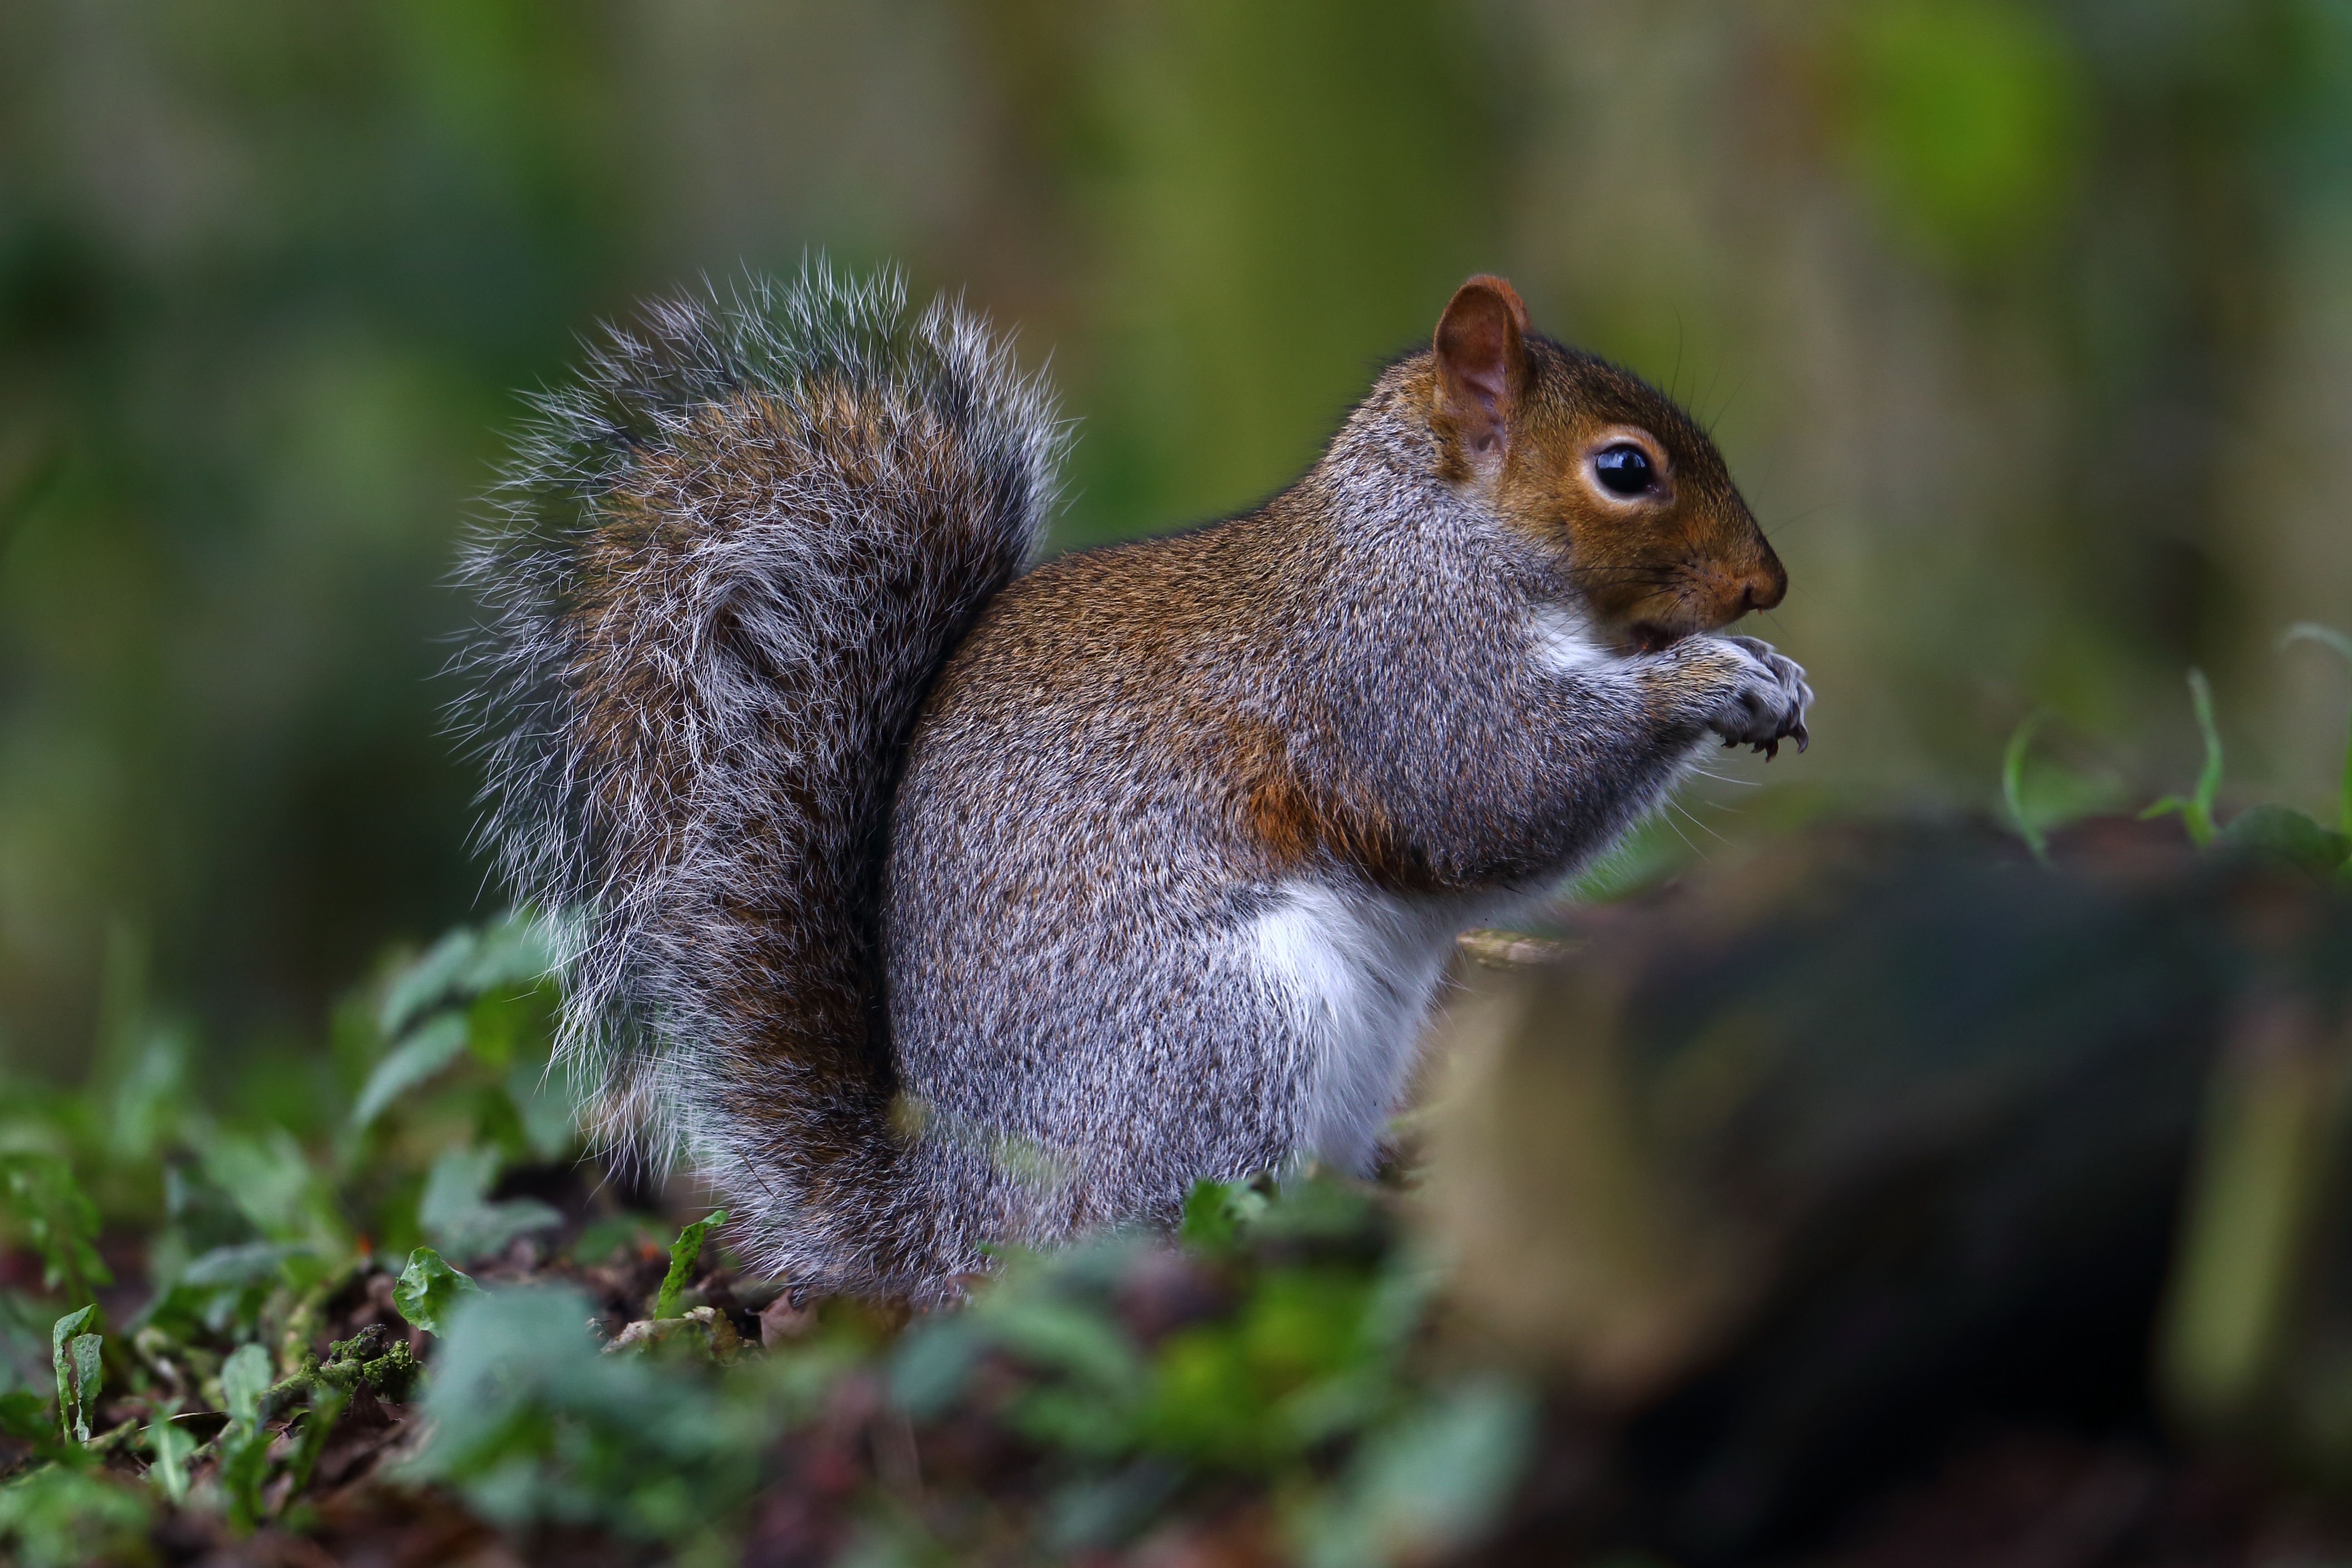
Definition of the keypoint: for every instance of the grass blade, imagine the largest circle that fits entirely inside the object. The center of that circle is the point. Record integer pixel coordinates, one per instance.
(2328, 636)
(2012, 782)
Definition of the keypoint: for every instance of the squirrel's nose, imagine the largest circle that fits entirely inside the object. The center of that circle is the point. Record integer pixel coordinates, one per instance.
(1766, 584)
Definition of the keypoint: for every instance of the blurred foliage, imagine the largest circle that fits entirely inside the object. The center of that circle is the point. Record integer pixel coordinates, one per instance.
(1128, 1387)
(1964, 119)
(2025, 322)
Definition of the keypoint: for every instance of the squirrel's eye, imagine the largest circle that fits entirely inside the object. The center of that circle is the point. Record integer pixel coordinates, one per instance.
(1625, 469)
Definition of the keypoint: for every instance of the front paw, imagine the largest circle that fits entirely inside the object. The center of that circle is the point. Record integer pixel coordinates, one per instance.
(1765, 702)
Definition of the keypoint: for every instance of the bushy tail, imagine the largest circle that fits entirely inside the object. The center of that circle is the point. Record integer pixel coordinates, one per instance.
(725, 567)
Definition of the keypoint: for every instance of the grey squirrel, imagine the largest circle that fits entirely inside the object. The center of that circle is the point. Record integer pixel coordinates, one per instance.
(922, 898)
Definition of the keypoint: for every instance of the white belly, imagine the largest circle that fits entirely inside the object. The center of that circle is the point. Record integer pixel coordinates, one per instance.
(1356, 970)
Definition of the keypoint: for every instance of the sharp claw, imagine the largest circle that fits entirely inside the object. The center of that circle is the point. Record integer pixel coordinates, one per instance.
(1771, 748)
(1798, 734)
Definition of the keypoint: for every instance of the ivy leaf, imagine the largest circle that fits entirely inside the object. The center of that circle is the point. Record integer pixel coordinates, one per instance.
(683, 1254)
(429, 1291)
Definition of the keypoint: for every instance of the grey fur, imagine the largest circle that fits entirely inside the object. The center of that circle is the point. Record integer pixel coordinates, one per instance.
(789, 630)
(1061, 973)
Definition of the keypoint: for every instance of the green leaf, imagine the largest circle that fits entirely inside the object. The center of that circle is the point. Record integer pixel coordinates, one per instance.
(932, 1361)
(1215, 1214)
(151, 1095)
(246, 1376)
(455, 1212)
(545, 1110)
(513, 955)
(171, 1444)
(429, 1291)
(63, 1516)
(275, 1185)
(683, 1254)
(246, 1264)
(1430, 1485)
(24, 1414)
(1065, 1336)
(416, 1059)
(244, 1469)
(2281, 833)
(426, 981)
(76, 1357)
(224, 1290)
(60, 1218)
(2312, 631)
(529, 1421)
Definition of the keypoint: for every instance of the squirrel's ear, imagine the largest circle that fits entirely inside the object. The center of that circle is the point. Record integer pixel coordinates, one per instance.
(1482, 358)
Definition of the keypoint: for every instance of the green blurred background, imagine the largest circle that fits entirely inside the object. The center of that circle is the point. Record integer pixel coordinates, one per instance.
(2027, 328)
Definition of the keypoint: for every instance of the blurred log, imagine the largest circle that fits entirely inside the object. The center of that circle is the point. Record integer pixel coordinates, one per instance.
(1792, 1174)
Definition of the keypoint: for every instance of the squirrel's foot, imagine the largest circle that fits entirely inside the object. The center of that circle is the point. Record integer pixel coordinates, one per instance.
(1767, 700)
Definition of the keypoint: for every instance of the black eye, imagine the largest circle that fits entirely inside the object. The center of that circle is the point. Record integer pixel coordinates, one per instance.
(1625, 469)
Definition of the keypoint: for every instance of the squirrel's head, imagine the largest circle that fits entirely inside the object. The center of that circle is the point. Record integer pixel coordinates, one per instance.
(1600, 468)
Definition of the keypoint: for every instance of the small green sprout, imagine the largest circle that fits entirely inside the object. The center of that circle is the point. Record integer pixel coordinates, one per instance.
(2328, 636)
(2012, 782)
(2197, 810)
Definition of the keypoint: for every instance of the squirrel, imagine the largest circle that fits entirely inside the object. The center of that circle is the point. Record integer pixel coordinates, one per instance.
(924, 899)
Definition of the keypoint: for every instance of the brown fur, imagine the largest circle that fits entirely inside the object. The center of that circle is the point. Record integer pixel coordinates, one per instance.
(1299, 825)
(1689, 559)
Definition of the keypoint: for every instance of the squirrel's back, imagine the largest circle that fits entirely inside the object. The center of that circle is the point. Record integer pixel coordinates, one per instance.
(725, 567)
